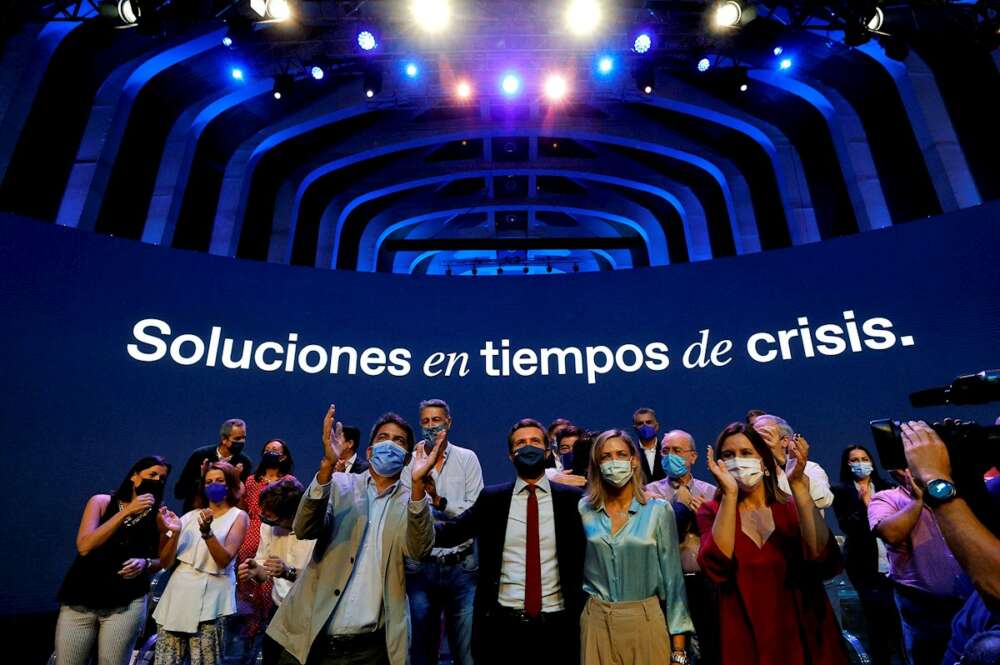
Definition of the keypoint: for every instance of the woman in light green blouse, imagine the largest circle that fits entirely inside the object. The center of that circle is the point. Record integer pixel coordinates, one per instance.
(637, 612)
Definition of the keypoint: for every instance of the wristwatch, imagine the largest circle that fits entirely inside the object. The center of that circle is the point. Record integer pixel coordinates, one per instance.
(679, 657)
(939, 491)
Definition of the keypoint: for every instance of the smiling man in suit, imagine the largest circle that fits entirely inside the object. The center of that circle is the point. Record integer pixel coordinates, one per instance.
(531, 545)
(350, 605)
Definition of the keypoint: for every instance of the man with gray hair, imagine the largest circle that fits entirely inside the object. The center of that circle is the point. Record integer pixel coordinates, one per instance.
(778, 435)
(232, 440)
(444, 581)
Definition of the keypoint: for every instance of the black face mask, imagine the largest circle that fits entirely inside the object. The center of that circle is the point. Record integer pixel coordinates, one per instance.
(150, 486)
(529, 461)
(271, 460)
(236, 446)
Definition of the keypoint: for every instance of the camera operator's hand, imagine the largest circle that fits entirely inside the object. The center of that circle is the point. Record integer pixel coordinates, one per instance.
(926, 454)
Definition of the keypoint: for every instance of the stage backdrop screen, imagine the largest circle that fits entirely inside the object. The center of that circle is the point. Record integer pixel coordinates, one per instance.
(113, 350)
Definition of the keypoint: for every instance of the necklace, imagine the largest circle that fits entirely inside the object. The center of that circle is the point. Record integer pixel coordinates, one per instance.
(132, 520)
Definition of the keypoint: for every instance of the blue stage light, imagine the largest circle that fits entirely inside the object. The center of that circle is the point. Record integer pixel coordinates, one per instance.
(366, 40)
(317, 72)
(227, 41)
(778, 50)
(510, 84)
(411, 70)
(236, 73)
(704, 64)
(642, 43)
(786, 63)
(605, 64)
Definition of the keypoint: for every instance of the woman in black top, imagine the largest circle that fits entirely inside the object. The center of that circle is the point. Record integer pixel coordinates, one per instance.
(103, 597)
(859, 481)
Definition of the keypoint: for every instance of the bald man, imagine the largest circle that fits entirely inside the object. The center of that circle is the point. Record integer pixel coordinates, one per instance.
(678, 456)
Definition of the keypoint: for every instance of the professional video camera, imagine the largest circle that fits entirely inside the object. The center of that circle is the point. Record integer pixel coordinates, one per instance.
(973, 449)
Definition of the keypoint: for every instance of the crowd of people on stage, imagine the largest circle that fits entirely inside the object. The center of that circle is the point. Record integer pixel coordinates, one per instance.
(602, 548)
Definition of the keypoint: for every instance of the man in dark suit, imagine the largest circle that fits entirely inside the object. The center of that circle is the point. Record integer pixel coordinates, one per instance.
(647, 427)
(350, 461)
(232, 440)
(531, 545)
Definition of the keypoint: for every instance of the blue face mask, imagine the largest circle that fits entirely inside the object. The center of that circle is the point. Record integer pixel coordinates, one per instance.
(675, 466)
(388, 459)
(645, 432)
(529, 461)
(567, 461)
(216, 492)
(861, 469)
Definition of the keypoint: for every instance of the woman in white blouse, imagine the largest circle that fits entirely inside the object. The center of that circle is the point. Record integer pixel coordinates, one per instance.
(202, 589)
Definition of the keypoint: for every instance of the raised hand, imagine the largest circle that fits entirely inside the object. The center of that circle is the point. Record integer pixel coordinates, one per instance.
(926, 454)
(721, 473)
(140, 504)
(333, 436)
(168, 520)
(798, 455)
(424, 461)
(205, 518)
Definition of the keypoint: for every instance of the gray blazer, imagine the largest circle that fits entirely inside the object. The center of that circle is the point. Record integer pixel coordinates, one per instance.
(338, 523)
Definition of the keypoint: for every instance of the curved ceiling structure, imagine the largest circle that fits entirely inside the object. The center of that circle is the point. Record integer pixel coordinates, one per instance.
(151, 137)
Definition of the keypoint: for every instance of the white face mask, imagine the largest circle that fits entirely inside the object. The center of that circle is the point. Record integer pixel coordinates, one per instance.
(617, 472)
(746, 470)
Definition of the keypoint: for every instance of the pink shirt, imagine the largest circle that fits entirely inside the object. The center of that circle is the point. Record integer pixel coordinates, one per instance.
(923, 561)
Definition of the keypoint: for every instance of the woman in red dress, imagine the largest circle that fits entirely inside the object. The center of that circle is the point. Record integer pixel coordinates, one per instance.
(769, 553)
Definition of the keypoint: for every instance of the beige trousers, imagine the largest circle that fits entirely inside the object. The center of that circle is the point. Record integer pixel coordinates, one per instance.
(628, 633)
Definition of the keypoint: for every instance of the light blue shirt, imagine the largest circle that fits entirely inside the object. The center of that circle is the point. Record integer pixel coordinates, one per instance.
(460, 481)
(640, 561)
(360, 610)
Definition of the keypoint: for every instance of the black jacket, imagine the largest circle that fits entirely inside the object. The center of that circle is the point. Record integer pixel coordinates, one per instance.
(187, 485)
(860, 549)
(657, 472)
(360, 465)
(486, 521)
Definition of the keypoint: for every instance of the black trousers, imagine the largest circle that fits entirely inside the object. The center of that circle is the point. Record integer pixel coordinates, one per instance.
(503, 639)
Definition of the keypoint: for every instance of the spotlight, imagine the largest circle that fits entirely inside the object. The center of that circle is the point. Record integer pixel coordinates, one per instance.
(411, 70)
(463, 90)
(278, 10)
(282, 85)
(582, 16)
(875, 20)
(728, 14)
(510, 85)
(744, 87)
(778, 50)
(555, 87)
(129, 12)
(372, 83)
(317, 72)
(785, 64)
(227, 41)
(642, 43)
(431, 15)
(704, 64)
(236, 73)
(605, 65)
(645, 79)
(366, 40)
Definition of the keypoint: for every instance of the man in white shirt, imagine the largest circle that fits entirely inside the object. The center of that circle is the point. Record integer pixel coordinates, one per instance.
(280, 555)
(778, 434)
(444, 581)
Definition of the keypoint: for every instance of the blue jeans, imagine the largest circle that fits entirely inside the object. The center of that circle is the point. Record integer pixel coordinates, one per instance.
(926, 624)
(433, 588)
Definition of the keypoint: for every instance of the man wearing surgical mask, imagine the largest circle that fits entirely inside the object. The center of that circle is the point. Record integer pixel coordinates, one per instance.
(232, 440)
(530, 543)
(677, 458)
(349, 604)
(445, 580)
(646, 428)
(778, 434)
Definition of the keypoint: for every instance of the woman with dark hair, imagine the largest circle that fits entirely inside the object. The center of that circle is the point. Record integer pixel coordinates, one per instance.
(103, 597)
(769, 553)
(637, 612)
(254, 601)
(202, 588)
(864, 553)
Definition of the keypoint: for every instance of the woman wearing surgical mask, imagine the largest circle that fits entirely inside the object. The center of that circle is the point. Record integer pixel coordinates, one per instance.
(769, 553)
(637, 612)
(202, 588)
(103, 597)
(254, 600)
(864, 554)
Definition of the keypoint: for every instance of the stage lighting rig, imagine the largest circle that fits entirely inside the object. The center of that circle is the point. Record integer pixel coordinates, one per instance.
(583, 17)
(431, 16)
(274, 10)
(731, 14)
(366, 40)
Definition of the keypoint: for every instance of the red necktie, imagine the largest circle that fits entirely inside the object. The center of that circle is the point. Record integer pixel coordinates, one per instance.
(532, 559)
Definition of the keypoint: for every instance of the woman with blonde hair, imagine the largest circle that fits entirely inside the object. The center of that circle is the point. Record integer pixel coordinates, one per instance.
(637, 612)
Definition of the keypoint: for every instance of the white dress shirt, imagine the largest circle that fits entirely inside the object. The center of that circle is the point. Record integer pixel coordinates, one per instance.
(819, 485)
(282, 543)
(349, 463)
(513, 567)
(650, 456)
(460, 480)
